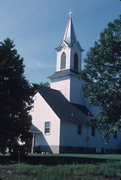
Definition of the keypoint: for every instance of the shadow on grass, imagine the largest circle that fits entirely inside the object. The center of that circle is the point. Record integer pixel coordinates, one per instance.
(51, 160)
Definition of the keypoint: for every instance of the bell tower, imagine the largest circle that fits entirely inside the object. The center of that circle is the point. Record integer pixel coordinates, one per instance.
(68, 65)
(69, 51)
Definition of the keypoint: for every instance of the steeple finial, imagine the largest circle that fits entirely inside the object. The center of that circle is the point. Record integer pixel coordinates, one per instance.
(70, 14)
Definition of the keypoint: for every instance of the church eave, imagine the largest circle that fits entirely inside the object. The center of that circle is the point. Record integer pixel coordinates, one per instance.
(63, 73)
(62, 45)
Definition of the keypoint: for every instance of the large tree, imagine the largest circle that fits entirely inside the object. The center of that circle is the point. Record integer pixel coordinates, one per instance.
(15, 98)
(102, 75)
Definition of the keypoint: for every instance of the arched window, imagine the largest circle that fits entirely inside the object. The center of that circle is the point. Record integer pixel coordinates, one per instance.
(76, 61)
(63, 61)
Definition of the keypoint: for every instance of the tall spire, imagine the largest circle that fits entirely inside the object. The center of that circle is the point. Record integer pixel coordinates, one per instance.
(69, 35)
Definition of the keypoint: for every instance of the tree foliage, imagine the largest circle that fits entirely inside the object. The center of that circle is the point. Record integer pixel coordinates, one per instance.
(45, 84)
(102, 75)
(15, 98)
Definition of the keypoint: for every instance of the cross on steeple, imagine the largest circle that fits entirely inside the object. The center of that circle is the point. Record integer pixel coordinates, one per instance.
(70, 14)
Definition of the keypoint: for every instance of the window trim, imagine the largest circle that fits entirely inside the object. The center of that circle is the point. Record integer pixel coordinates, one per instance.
(63, 61)
(47, 128)
(115, 135)
(79, 129)
(93, 131)
(76, 61)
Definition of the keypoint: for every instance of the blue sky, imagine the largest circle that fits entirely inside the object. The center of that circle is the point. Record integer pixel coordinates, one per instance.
(37, 27)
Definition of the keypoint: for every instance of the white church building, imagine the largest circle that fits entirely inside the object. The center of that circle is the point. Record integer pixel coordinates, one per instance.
(60, 113)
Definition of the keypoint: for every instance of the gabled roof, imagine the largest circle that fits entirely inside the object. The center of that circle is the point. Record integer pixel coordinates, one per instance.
(61, 106)
(65, 72)
(82, 108)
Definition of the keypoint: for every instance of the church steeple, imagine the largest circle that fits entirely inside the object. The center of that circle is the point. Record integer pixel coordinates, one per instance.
(68, 65)
(69, 36)
(69, 50)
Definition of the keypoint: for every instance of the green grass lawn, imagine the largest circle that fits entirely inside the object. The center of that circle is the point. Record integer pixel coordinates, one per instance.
(99, 156)
(110, 169)
(107, 171)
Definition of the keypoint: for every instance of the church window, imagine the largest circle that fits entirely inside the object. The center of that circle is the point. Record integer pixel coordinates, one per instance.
(47, 127)
(76, 61)
(79, 129)
(93, 131)
(63, 61)
(115, 135)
